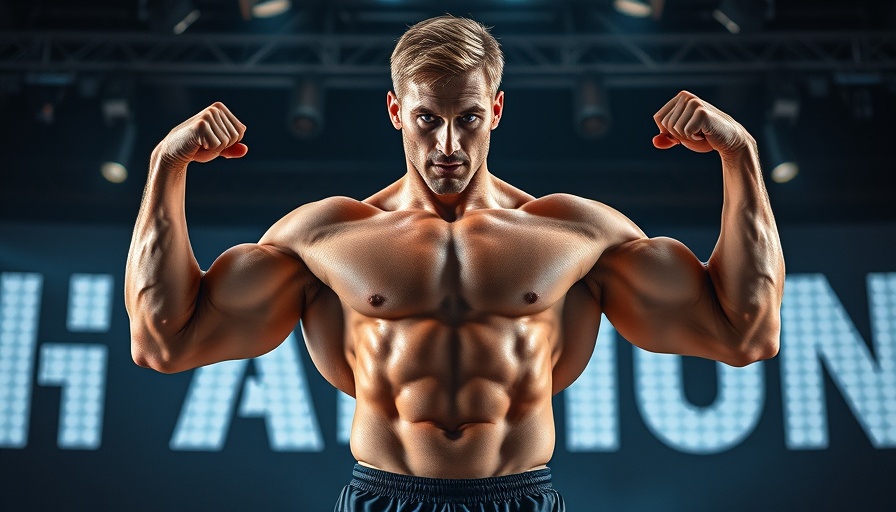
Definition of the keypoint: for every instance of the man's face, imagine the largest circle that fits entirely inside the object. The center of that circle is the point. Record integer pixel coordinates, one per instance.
(446, 128)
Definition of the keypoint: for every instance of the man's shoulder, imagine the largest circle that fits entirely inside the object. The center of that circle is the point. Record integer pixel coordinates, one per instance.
(331, 211)
(594, 219)
(313, 219)
(570, 207)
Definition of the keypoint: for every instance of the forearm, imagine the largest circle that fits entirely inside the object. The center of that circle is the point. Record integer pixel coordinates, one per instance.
(162, 276)
(747, 265)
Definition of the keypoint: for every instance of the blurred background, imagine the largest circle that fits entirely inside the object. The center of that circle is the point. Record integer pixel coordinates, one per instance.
(88, 81)
(89, 87)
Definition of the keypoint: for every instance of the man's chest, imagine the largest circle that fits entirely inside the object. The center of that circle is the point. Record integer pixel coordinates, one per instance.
(506, 263)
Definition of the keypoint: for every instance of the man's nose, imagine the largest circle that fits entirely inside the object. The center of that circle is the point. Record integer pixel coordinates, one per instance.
(447, 139)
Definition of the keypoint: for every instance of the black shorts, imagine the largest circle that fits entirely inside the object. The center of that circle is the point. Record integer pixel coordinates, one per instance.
(372, 490)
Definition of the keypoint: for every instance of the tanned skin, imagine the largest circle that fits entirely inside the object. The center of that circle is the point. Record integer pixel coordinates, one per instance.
(451, 304)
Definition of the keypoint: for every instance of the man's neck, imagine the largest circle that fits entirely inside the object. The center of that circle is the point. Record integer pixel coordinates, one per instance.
(480, 193)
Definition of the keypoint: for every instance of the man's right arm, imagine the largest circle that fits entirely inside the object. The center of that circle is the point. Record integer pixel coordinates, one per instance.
(247, 302)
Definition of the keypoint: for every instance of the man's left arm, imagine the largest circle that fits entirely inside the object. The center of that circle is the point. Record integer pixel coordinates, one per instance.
(727, 309)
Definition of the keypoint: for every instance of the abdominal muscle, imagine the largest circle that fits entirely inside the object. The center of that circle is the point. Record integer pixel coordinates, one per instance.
(467, 400)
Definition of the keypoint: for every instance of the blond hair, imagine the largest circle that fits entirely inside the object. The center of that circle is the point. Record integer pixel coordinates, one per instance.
(434, 50)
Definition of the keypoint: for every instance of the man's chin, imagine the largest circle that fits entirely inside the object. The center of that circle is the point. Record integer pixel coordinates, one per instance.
(447, 186)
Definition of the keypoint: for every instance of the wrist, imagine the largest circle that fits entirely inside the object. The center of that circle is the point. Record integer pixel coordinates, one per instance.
(162, 162)
(745, 150)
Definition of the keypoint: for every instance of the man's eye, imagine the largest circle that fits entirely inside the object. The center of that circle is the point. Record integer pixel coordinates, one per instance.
(469, 118)
(427, 118)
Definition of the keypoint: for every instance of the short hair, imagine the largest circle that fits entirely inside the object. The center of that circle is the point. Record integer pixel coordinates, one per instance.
(434, 50)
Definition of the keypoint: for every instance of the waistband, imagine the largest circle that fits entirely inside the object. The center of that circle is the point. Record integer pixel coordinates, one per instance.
(451, 490)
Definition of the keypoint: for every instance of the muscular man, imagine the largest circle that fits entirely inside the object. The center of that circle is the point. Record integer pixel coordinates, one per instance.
(451, 304)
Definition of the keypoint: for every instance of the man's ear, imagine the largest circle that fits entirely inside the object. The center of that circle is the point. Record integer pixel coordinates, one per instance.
(497, 109)
(394, 109)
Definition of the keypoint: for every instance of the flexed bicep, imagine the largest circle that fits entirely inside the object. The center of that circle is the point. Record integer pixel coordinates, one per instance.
(250, 299)
(660, 297)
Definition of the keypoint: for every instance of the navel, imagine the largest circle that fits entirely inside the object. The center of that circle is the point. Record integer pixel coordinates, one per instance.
(530, 297)
(376, 300)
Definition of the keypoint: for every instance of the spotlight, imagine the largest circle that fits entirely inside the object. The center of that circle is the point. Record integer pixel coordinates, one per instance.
(785, 103)
(782, 114)
(264, 8)
(742, 15)
(115, 99)
(591, 111)
(118, 115)
(186, 21)
(779, 149)
(633, 8)
(114, 172)
(174, 16)
(118, 151)
(306, 111)
(785, 171)
(115, 108)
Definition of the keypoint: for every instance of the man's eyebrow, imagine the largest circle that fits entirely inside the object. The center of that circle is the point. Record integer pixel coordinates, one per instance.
(472, 109)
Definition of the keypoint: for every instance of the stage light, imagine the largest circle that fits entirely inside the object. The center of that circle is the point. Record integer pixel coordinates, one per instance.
(783, 112)
(591, 111)
(173, 16)
(306, 111)
(739, 16)
(726, 22)
(117, 113)
(264, 8)
(118, 152)
(779, 150)
(633, 8)
(186, 21)
(785, 104)
(270, 8)
(115, 108)
(785, 171)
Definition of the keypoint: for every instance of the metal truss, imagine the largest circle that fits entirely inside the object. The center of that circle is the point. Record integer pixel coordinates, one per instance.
(354, 60)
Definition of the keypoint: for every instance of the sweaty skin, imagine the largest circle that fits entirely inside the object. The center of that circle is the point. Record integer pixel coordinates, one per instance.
(451, 304)
(455, 363)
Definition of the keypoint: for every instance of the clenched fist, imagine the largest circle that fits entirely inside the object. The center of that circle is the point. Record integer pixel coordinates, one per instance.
(213, 132)
(699, 126)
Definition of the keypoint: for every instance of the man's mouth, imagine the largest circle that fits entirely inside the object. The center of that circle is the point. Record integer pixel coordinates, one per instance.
(448, 166)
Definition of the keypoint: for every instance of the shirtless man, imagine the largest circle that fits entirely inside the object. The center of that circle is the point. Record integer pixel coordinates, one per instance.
(451, 304)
